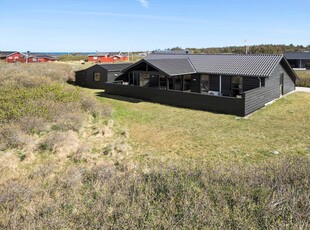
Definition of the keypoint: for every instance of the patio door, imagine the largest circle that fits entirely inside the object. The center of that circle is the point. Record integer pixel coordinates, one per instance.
(237, 85)
(205, 83)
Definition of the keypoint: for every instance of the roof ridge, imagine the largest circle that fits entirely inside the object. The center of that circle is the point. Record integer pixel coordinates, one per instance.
(232, 54)
(209, 54)
(190, 62)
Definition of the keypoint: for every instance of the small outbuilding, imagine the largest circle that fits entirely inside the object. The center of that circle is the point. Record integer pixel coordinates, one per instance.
(95, 76)
(298, 60)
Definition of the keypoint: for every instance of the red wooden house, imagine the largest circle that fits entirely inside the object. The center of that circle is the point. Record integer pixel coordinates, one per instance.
(107, 57)
(11, 56)
(14, 56)
(41, 58)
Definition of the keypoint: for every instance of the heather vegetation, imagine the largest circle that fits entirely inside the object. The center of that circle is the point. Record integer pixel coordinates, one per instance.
(274, 195)
(72, 57)
(304, 78)
(71, 161)
(36, 103)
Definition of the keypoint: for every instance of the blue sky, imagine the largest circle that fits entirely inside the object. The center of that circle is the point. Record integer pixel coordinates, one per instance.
(133, 25)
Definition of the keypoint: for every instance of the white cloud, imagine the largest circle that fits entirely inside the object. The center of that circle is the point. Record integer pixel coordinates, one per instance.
(144, 3)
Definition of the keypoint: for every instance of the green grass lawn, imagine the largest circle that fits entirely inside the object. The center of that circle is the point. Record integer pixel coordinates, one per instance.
(168, 133)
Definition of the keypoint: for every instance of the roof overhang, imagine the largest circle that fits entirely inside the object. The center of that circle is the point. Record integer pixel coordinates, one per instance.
(12, 53)
(142, 61)
(230, 74)
(288, 68)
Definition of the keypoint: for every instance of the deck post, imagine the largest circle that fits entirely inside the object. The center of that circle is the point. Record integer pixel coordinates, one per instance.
(220, 84)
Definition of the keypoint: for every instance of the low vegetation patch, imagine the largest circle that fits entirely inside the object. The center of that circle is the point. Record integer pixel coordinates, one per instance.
(71, 57)
(304, 78)
(38, 108)
(274, 194)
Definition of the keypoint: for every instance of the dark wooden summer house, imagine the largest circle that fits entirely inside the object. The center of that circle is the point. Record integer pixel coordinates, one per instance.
(96, 75)
(298, 60)
(233, 84)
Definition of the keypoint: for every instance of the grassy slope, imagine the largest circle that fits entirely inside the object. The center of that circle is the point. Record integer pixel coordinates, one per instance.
(174, 133)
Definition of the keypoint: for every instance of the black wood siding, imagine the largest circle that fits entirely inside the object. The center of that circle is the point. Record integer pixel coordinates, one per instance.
(257, 98)
(250, 83)
(227, 105)
(195, 83)
(214, 81)
(154, 80)
(80, 77)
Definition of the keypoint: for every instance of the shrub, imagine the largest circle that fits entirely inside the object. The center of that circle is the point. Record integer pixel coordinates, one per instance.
(304, 78)
(60, 142)
(69, 121)
(33, 124)
(91, 105)
(12, 136)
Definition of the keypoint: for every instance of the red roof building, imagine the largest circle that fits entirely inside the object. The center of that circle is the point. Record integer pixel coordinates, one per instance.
(41, 58)
(15, 56)
(107, 57)
(11, 56)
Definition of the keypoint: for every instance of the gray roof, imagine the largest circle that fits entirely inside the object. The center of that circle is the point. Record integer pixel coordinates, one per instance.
(115, 67)
(226, 64)
(297, 55)
(170, 52)
(173, 66)
(97, 54)
(44, 56)
(4, 54)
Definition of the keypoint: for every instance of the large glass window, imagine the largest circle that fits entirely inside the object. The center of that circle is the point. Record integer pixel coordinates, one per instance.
(178, 83)
(237, 85)
(205, 82)
(96, 76)
(187, 82)
(162, 82)
(134, 78)
(144, 79)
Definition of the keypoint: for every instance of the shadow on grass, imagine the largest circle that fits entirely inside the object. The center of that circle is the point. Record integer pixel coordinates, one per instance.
(71, 82)
(117, 97)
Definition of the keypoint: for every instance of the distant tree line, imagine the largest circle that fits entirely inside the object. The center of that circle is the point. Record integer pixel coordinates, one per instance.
(255, 49)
